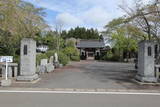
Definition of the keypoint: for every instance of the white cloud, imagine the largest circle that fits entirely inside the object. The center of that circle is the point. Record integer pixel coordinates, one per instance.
(96, 16)
(58, 7)
(68, 19)
(88, 13)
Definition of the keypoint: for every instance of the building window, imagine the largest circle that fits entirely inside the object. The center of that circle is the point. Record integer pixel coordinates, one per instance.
(156, 51)
(149, 51)
(25, 50)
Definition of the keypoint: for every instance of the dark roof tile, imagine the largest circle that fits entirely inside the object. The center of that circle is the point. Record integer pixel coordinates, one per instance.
(90, 44)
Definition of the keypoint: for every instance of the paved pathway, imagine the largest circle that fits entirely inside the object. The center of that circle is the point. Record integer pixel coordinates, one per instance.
(90, 75)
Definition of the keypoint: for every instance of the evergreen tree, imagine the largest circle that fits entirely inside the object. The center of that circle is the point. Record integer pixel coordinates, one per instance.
(81, 33)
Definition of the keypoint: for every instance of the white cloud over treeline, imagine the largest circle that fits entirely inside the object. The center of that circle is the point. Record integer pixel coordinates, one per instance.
(88, 13)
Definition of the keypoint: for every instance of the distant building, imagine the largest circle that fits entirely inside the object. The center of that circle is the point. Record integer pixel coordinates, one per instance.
(42, 48)
(91, 48)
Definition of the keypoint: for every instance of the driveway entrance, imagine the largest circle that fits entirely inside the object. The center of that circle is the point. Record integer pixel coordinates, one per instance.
(90, 74)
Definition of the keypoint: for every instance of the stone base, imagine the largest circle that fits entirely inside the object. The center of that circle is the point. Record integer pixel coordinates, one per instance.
(146, 79)
(49, 68)
(56, 64)
(60, 65)
(41, 69)
(27, 78)
(6, 82)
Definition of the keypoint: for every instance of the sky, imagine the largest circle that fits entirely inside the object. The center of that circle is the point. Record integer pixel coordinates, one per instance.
(85, 13)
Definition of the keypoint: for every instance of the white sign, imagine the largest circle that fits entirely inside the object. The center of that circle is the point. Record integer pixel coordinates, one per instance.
(6, 58)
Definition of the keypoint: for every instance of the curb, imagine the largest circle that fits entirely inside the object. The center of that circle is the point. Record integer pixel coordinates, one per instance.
(79, 90)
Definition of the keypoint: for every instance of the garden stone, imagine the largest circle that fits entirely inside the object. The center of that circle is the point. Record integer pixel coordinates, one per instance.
(51, 60)
(56, 64)
(60, 65)
(42, 69)
(49, 67)
(44, 61)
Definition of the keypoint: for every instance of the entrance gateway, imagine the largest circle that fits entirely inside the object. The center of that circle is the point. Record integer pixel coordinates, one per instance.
(91, 48)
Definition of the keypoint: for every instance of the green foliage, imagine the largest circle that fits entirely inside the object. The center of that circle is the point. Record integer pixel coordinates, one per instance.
(70, 43)
(75, 58)
(63, 58)
(50, 53)
(64, 34)
(16, 59)
(72, 53)
(18, 19)
(114, 24)
(81, 33)
(110, 56)
(8, 47)
(50, 40)
(124, 36)
(39, 57)
(123, 41)
(136, 33)
(123, 23)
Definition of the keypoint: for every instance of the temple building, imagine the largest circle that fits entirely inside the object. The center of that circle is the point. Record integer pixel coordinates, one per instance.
(91, 48)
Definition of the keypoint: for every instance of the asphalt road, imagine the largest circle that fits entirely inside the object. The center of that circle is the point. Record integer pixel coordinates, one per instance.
(88, 74)
(77, 100)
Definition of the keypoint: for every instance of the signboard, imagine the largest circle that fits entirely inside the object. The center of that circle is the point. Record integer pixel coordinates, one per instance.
(6, 58)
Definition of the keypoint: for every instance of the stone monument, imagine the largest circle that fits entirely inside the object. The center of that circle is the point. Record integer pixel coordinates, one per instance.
(51, 59)
(146, 65)
(56, 61)
(28, 60)
(56, 57)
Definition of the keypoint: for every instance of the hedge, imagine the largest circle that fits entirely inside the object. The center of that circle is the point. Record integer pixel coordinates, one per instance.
(39, 57)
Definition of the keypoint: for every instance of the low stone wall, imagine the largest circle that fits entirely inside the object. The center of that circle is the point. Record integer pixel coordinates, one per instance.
(45, 67)
(12, 69)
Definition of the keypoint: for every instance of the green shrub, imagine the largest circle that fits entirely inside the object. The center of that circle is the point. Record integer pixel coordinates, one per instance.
(39, 57)
(50, 53)
(16, 58)
(70, 43)
(115, 58)
(109, 56)
(63, 58)
(72, 53)
(75, 58)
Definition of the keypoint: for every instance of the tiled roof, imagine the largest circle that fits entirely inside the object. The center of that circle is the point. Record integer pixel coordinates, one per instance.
(90, 44)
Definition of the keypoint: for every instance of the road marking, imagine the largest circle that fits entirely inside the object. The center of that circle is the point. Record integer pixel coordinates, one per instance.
(80, 92)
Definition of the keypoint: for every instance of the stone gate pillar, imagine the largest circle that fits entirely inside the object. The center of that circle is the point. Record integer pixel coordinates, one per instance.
(146, 62)
(28, 60)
